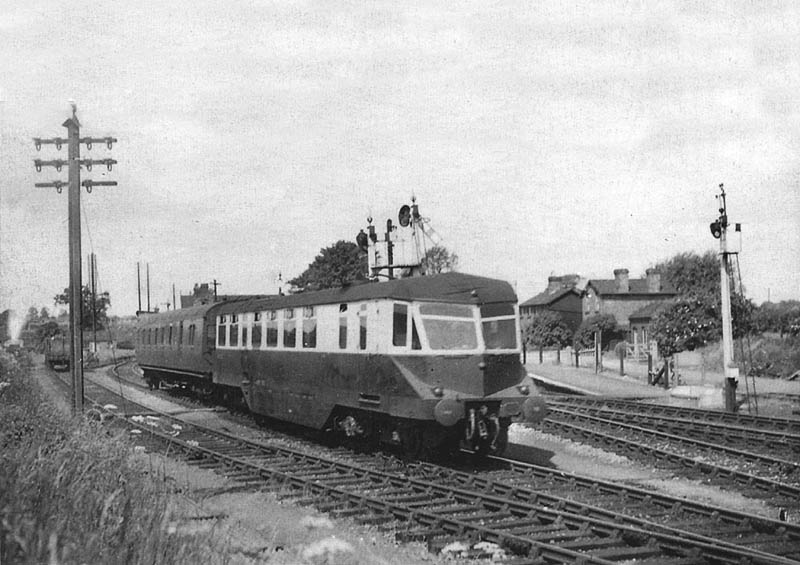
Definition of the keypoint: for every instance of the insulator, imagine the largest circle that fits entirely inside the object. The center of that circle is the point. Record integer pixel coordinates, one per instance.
(109, 164)
(58, 166)
(58, 189)
(108, 142)
(89, 145)
(58, 144)
(38, 166)
(89, 165)
(88, 188)
(38, 144)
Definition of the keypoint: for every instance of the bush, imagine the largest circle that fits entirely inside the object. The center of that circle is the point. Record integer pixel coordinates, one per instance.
(70, 492)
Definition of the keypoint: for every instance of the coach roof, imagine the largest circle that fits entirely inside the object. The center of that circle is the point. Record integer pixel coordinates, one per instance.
(447, 287)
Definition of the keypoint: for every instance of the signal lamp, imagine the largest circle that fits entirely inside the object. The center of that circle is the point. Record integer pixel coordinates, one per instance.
(716, 229)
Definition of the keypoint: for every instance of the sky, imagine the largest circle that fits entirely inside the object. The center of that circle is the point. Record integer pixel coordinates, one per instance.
(539, 138)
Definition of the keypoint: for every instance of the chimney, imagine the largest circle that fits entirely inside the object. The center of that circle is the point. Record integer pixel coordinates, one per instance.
(553, 283)
(653, 280)
(621, 277)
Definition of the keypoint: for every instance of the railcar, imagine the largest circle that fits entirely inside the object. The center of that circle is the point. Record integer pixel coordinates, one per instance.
(427, 363)
(57, 352)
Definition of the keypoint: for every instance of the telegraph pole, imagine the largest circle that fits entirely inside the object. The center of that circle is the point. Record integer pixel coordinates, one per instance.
(74, 163)
(719, 229)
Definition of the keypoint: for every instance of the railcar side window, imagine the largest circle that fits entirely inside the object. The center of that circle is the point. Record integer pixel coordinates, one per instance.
(192, 330)
(256, 332)
(247, 323)
(309, 328)
(415, 342)
(342, 326)
(400, 325)
(362, 327)
(169, 340)
(272, 328)
(289, 328)
(222, 333)
(234, 335)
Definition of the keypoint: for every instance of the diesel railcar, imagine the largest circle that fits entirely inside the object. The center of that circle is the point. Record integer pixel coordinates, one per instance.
(426, 363)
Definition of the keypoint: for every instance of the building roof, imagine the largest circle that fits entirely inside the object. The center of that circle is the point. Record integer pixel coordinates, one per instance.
(548, 296)
(647, 311)
(606, 287)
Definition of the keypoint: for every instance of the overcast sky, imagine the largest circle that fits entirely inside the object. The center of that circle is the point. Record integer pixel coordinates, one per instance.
(538, 137)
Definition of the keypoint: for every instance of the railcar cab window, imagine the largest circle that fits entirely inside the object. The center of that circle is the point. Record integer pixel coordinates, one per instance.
(309, 328)
(272, 328)
(289, 328)
(499, 324)
(449, 326)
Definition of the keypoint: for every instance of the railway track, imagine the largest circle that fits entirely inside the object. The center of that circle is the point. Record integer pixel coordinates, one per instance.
(441, 505)
(789, 425)
(755, 475)
(773, 442)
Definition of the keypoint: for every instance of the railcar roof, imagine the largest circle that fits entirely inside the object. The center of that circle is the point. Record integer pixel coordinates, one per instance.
(446, 287)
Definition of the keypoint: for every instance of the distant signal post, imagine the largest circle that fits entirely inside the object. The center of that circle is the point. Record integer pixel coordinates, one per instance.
(74, 163)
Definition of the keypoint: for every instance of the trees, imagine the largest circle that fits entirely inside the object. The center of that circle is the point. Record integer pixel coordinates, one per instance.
(548, 329)
(439, 260)
(694, 317)
(584, 336)
(337, 265)
(101, 304)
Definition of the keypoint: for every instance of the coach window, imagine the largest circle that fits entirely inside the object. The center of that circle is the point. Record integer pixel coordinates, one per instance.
(289, 328)
(180, 334)
(191, 334)
(169, 339)
(362, 327)
(342, 326)
(164, 335)
(222, 331)
(309, 328)
(272, 328)
(255, 332)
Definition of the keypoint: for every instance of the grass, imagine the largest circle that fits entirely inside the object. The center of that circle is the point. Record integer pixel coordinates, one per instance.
(72, 493)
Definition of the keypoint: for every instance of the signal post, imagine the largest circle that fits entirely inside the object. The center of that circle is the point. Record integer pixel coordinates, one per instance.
(719, 229)
(74, 163)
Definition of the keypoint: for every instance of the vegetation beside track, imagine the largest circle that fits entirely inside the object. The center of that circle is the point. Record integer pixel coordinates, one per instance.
(72, 493)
